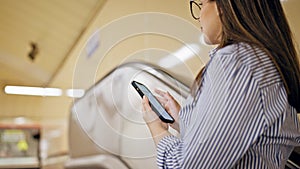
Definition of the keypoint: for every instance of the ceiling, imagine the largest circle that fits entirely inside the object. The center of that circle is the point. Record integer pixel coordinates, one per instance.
(55, 26)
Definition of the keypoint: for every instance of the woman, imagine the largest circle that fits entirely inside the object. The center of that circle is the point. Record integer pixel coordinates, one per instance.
(242, 112)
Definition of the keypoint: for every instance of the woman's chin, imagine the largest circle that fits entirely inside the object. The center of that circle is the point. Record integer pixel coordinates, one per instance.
(204, 40)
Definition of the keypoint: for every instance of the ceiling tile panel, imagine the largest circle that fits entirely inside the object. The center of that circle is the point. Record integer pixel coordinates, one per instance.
(55, 25)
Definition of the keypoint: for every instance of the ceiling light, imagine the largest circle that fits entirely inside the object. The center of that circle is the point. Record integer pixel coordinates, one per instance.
(75, 93)
(181, 55)
(33, 91)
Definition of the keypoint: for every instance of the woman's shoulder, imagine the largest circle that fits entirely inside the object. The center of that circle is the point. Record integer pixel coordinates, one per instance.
(241, 50)
(255, 59)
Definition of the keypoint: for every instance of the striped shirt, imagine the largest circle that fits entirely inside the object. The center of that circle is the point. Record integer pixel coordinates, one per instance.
(239, 118)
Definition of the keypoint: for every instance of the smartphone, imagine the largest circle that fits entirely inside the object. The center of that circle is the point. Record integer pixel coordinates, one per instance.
(154, 103)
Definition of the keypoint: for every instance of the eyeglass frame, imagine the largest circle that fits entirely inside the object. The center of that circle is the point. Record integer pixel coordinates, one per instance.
(192, 2)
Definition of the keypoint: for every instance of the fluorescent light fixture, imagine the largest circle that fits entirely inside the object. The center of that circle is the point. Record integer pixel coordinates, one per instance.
(75, 93)
(20, 120)
(184, 53)
(33, 91)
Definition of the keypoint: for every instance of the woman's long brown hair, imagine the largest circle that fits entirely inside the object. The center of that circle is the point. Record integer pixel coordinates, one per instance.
(262, 23)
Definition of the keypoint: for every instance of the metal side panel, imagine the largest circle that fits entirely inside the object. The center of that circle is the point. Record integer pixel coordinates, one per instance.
(108, 119)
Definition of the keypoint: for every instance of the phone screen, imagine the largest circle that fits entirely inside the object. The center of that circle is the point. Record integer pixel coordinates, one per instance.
(154, 103)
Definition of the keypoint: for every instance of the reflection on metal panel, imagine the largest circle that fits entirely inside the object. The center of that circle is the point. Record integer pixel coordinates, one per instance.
(109, 115)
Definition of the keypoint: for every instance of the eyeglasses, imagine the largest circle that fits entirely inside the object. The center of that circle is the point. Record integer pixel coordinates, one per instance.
(195, 8)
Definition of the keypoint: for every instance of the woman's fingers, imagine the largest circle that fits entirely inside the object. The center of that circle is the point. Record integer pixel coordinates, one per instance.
(145, 103)
(162, 101)
(148, 114)
(166, 99)
(171, 105)
(165, 96)
(160, 92)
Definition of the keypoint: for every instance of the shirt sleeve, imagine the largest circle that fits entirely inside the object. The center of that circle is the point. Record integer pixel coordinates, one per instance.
(227, 119)
(169, 152)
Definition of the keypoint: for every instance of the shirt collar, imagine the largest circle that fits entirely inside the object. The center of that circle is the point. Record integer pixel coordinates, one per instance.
(213, 52)
(229, 49)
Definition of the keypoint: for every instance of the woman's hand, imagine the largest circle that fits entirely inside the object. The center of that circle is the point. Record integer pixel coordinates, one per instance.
(171, 105)
(157, 128)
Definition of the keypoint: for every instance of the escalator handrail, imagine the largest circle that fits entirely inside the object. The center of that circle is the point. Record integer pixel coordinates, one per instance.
(153, 70)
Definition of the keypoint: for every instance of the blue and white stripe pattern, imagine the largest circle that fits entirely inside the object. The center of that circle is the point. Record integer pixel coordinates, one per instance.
(240, 117)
